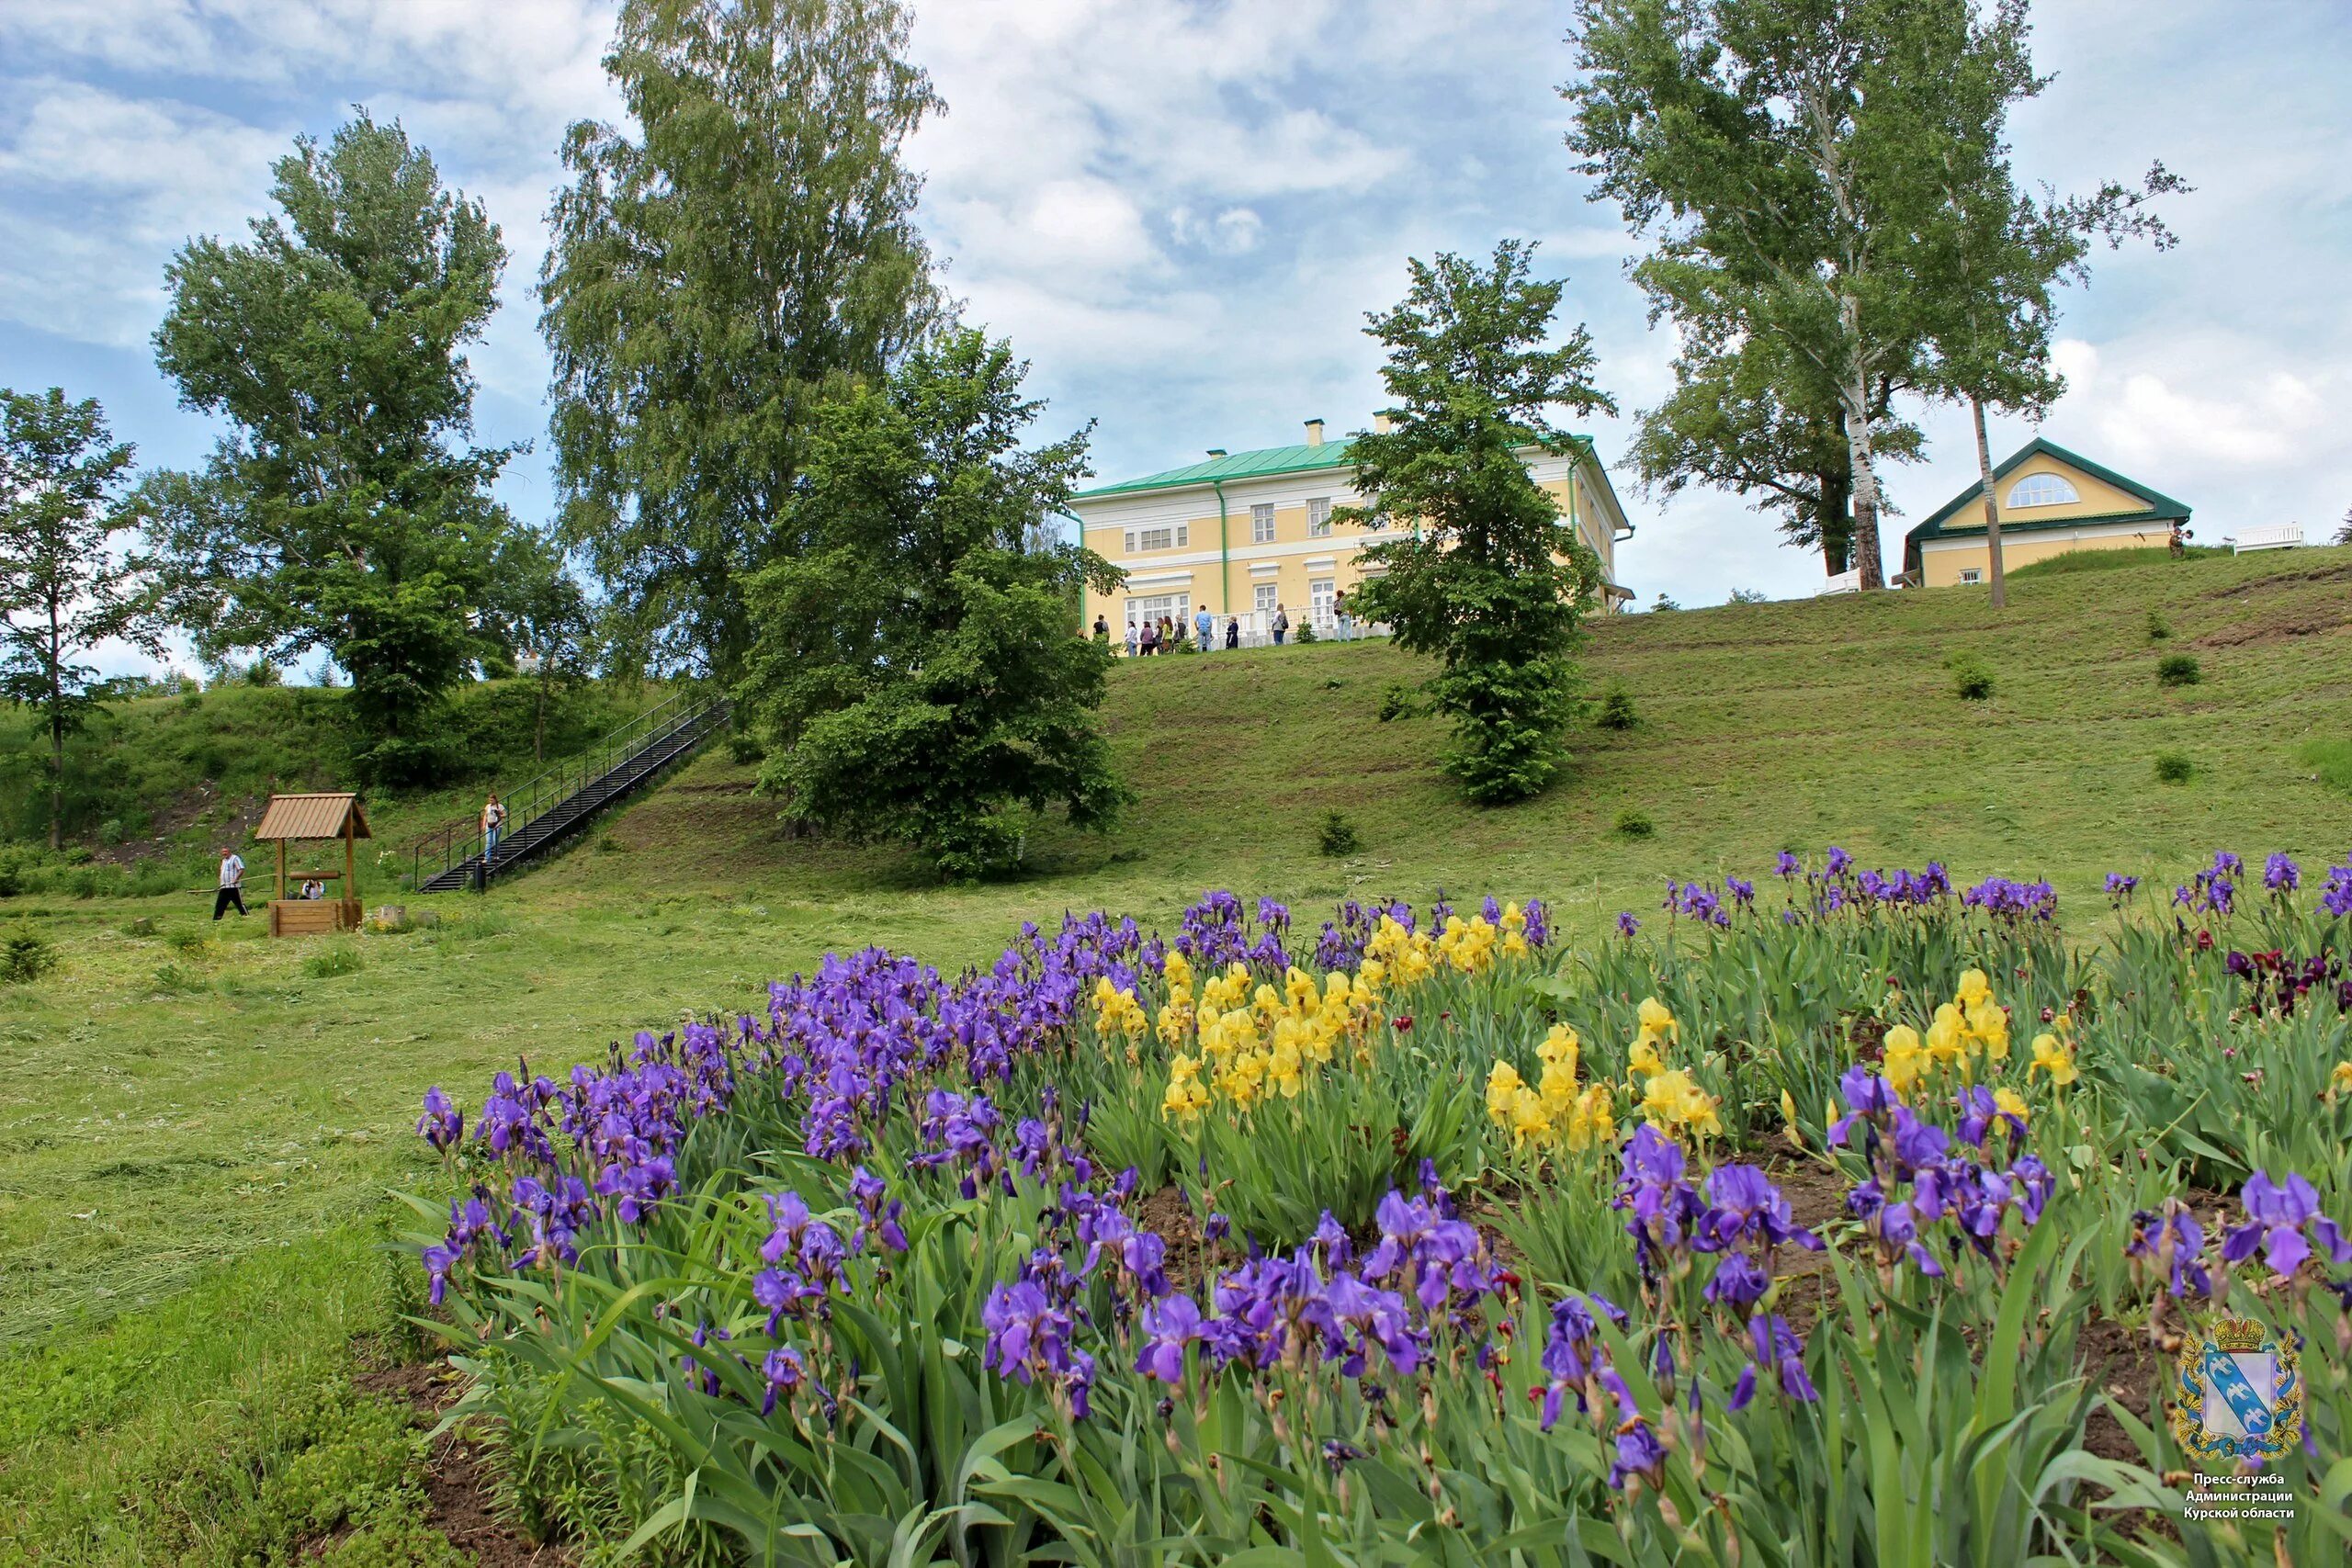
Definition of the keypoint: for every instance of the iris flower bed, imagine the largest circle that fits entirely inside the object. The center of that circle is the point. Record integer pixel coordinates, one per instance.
(1849, 1218)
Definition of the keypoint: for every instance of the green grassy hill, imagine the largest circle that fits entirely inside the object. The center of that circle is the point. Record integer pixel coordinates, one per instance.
(1761, 726)
(198, 1126)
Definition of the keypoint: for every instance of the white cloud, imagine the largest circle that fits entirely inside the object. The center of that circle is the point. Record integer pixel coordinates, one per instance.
(1180, 213)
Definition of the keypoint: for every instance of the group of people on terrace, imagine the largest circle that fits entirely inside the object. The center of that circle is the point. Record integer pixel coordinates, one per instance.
(1170, 634)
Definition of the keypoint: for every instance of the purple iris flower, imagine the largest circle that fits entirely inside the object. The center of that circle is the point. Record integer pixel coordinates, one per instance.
(441, 1124)
(1626, 924)
(1867, 1098)
(2280, 875)
(1169, 1324)
(2174, 1244)
(2118, 886)
(1787, 864)
(1638, 1454)
(2283, 1220)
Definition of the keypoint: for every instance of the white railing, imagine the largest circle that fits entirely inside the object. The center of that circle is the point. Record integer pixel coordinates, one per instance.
(2277, 536)
(1255, 629)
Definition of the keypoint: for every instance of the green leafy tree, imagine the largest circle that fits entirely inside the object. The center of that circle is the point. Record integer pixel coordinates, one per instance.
(545, 617)
(915, 674)
(344, 510)
(2001, 254)
(715, 276)
(1784, 153)
(1751, 418)
(64, 585)
(1491, 579)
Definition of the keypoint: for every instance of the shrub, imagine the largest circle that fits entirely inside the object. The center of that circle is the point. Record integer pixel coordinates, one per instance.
(1617, 710)
(1664, 603)
(1635, 823)
(1746, 596)
(26, 955)
(2173, 767)
(328, 963)
(2158, 627)
(607, 844)
(1972, 678)
(2178, 670)
(1307, 632)
(1338, 835)
(1397, 702)
(745, 747)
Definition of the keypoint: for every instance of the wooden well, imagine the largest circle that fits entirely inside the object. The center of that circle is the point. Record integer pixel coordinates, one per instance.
(320, 819)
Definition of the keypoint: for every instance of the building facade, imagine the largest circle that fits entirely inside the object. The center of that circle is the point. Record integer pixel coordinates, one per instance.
(1246, 533)
(2052, 501)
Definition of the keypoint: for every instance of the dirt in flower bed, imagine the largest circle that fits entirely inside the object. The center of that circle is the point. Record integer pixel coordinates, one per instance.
(462, 1503)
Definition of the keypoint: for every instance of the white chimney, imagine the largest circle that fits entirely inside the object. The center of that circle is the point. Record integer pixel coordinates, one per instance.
(1381, 424)
(1315, 433)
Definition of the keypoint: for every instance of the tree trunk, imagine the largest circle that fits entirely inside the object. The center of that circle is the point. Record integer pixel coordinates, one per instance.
(1834, 517)
(56, 775)
(1855, 393)
(56, 728)
(1992, 507)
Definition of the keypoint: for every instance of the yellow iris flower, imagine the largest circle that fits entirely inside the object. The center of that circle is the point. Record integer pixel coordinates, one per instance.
(2051, 1055)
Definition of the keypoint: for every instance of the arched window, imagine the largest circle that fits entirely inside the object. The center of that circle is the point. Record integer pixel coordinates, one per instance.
(2042, 489)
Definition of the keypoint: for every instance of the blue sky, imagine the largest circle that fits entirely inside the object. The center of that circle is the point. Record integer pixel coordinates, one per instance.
(1181, 210)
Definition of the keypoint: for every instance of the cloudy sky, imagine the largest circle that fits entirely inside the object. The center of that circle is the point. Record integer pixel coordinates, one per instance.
(1181, 209)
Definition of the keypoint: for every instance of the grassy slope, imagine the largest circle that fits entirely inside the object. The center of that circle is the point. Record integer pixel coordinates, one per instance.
(207, 1125)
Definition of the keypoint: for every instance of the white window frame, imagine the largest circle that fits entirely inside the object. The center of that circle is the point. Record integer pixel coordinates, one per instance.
(1262, 522)
(1320, 593)
(2042, 489)
(1318, 517)
(1264, 596)
(1151, 606)
(1159, 538)
(1971, 574)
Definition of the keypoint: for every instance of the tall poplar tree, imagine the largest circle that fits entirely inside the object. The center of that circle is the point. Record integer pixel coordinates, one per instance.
(64, 586)
(345, 509)
(1999, 254)
(1491, 579)
(737, 253)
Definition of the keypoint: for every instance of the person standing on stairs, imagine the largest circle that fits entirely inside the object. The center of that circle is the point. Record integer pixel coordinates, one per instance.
(493, 819)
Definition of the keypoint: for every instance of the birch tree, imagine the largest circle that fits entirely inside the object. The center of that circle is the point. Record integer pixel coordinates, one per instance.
(1782, 154)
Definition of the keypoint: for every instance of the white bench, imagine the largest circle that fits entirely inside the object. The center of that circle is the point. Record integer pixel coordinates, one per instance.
(2277, 536)
(1844, 583)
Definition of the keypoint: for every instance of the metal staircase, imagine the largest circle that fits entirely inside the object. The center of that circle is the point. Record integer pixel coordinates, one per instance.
(560, 802)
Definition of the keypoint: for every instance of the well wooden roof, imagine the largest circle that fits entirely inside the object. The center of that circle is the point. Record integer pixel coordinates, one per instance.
(312, 816)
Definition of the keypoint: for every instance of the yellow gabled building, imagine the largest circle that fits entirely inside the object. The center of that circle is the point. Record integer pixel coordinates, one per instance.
(1244, 533)
(2052, 501)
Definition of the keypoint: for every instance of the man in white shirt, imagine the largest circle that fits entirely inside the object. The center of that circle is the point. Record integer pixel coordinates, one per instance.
(233, 878)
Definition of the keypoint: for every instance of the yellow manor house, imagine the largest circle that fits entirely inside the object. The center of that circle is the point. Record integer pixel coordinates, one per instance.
(2052, 500)
(1246, 533)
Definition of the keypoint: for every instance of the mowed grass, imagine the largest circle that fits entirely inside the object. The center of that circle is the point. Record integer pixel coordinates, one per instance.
(190, 1120)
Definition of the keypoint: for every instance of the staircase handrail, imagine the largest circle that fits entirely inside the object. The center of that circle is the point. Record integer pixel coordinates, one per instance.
(538, 795)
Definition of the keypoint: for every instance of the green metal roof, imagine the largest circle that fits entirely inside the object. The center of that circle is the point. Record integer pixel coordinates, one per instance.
(1262, 463)
(1255, 465)
(1951, 517)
